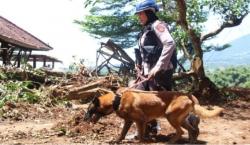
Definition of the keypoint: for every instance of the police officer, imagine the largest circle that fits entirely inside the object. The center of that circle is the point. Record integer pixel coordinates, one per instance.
(156, 47)
(156, 56)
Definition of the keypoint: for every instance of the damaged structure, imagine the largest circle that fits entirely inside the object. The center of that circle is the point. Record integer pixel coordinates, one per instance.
(16, 46)
(111, 58)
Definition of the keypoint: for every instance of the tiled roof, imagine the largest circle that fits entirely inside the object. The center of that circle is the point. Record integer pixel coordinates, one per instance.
(11, 33)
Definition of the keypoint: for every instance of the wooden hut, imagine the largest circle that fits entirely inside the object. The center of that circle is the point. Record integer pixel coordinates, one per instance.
(17, 44)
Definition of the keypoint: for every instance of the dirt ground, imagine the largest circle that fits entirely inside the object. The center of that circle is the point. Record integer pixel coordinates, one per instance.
(35, 124)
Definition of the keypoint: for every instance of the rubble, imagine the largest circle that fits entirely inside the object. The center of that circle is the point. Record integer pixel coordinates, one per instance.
(81, 85)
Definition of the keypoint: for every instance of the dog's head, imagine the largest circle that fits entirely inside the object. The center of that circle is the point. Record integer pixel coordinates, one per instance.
(99, 107)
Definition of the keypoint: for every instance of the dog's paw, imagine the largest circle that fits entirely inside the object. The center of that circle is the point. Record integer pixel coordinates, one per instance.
(174, 139)
(193, 135)
(145, 140)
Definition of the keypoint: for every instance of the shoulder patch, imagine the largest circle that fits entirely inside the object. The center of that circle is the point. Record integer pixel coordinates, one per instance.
(160, 27)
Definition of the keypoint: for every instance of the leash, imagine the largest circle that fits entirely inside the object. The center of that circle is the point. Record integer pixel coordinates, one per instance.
(133, 86)
(143, 79)
(140, 77)
(138, 83)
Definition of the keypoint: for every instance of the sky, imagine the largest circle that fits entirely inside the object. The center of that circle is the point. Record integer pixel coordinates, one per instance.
(228, 34)
(52, 22)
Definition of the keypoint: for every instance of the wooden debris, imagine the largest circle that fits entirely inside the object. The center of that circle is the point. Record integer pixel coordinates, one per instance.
(88, 94)
(97, 87)
(78, 86)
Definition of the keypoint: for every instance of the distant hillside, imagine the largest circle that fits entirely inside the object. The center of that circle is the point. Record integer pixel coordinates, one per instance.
(237, 54)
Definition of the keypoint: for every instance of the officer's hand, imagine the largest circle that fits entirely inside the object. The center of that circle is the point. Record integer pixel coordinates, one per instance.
(152, 73)
(150, 76)
(138, 68)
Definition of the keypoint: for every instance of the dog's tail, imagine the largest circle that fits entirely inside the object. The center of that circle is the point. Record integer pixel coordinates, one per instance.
(203, 112)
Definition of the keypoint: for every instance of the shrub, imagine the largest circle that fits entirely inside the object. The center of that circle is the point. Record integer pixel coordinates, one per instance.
(231, 77)
(17, 91)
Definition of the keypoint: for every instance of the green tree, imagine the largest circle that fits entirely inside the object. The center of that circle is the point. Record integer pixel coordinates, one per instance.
(186, 19)
(111, 19)
(231, 77)
(231, 14)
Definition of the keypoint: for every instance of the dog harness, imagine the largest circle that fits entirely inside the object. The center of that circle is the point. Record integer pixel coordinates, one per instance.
(116, 102)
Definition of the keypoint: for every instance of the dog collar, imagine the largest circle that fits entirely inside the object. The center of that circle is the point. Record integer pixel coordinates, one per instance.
(116, 102)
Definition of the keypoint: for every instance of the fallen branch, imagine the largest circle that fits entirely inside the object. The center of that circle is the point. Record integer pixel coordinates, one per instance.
(89, 86)
(182, 75)
(86, 94)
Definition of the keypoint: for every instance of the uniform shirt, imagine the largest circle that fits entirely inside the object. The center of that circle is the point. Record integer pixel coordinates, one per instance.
(164, 62)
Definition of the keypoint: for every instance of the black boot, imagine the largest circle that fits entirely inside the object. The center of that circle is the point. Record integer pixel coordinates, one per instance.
(152, 128)
(192, 125)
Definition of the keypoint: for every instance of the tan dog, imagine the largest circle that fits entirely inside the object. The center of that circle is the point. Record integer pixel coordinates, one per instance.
(143, 106)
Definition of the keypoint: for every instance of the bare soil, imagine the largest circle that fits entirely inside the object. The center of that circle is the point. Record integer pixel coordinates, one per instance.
(35, 124)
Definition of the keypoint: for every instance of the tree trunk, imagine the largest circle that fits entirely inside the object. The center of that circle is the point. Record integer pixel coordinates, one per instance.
(203, 87)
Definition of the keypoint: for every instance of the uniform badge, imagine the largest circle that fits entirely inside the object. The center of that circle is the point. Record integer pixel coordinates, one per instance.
(160, 27)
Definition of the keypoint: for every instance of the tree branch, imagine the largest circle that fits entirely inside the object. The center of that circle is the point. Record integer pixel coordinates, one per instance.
(182, 9)
(182, 75)
(185, 51)
(231, 23)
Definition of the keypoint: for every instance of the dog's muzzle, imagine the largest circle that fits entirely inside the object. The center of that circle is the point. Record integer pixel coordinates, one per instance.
(93, 116)
(87, 116)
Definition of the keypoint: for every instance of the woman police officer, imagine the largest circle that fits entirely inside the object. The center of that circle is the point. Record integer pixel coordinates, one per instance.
(156, 47)
(156, 57)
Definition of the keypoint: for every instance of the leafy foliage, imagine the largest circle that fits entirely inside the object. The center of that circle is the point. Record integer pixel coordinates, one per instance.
(109, 19)
(228, 9)
(2, 76)
(113, 19)
(18, 91)
(197, 13)
(231, 77)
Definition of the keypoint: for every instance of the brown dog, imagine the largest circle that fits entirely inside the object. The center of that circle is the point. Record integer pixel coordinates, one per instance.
(143, 106)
